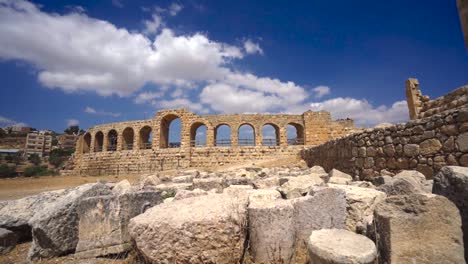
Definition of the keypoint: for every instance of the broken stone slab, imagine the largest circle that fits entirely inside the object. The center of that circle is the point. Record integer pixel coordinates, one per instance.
(267, 183)
(55, 226)
(122, 187)
(361, 203)
(184, 194)
(15, 214)
(8, 240)
(208, 184)
(173, 187)
(271, 229)
(338, 246)
(149, 182)
(363, 184)
(299, 186)
(337, 177)
(380, 180)
(452, 182)
(405, 182)
(319, 171)
(103, 222)
(183, 179)
(237, 190)
(263, 195)
(203, 229)
(418, 228)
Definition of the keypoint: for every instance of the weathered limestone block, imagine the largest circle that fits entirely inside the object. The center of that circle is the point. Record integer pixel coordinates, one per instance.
(430, 146)
(338, 177)
(360, 207)
(14, 215)
(363, 184)
(208, 184)
(271, 227)
(338, 246)
(122, 187)
(204, 229)
(8, 240)
(237, 190)
(263, 195)
(405, 182)
(184, 194)
(418, 228)
(411, 150)
(103, 222)
(183, 179)
(267, 183)
(150, 182)
(462, 142)
(173, 187)
(452, 182)
(55, 227)
(299, 186)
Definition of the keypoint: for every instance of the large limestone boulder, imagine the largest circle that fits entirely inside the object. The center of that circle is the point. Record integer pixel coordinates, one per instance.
(103, 222)
(8, 240)
(267, 183)
(184, 194)
(405, 182)
(208, 184)
(122, 187)
(299, 186)
(55, 226)
(338, 246)
(452, 182)
(204, 229)
(149, 181)
(14, 215)
(360, 205)
(172, 187)
(338, 177)
(271, 226)
(418, 228)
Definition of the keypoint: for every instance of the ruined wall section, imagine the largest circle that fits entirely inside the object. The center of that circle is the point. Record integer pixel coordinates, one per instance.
(425, 145)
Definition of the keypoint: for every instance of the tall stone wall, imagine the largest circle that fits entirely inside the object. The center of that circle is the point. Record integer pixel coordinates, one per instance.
(425, 145)
(126, 147)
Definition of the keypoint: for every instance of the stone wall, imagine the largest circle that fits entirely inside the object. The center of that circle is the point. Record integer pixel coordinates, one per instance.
(463, 12)
(425, 145)
(128, 146)
(420, 106)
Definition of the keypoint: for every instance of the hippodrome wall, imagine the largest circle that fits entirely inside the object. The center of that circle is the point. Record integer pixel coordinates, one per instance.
(128, 148)
(436, 136)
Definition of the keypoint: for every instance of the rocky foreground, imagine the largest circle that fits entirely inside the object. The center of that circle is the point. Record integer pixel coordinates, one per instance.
(289, 214)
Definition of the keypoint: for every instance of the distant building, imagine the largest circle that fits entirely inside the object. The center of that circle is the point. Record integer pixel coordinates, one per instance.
(18, 129)
(463, 12)
(66, 141)
(38, 143)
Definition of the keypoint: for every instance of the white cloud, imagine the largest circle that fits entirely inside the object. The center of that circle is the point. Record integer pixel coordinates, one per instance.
(90, 110)
(321, 91)
(117, 3)
(146, 97)
(152, 26)
(252, 47)
(180, 103)
(362, 111)
(72, 122)
(76, 8)
(6, 122)
(175, 8)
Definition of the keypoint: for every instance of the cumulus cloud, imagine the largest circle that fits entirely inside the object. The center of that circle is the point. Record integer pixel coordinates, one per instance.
(252, 47)
(90, 110)
(6, 122)
(174, 9)
(362, 111)
(146, 97)
(72, 122)
(117, 3)
(180, 103)
(153, 25)
(321, 91)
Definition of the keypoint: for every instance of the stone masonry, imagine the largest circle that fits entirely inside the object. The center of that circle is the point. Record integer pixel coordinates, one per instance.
(128, 147)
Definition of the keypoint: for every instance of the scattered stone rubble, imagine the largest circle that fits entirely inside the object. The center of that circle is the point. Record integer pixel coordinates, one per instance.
(289, 214)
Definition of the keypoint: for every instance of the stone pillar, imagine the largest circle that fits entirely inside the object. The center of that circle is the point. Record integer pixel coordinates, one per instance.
(156, 136)
(283, 138)
(136, 139)
(93, 141)
(119, 141)
(413, 98)
(234, 135)
(258, 135)
(463, 12)
(316, 127)
(105, 141)
(210, 137)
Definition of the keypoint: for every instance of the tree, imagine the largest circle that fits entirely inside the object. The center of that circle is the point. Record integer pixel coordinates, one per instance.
(72, 130)
(58, 156)
(35, 159)
(54, 141)
(7, 171)
(2, 133)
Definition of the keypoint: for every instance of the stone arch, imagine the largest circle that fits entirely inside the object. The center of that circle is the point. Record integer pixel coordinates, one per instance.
(271, 140)
(98, 141)
(112, 140)
(146, 135)
(164, 131)
(194, 141)
(248, 139)
(128, 136)
(298, 137)
(86, 143)
(219, 139)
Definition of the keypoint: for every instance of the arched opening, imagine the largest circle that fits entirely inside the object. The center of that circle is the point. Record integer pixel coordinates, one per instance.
(246, 135)
(112, 137)
(198, 135)
(222, 134)
(170, 135)
(127, 137)
(86, 142)
(270, 135)
(146, 137)
(295, 134)
(98, 141)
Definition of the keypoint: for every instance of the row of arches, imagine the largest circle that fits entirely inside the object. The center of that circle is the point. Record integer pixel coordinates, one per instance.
(171, 136)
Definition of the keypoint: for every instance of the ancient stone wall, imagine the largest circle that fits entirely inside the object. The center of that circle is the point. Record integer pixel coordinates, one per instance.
(143, 146)
(425, 145)
(420, 106)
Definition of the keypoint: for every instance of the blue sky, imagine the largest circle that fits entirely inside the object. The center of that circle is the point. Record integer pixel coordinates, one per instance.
(92, 62)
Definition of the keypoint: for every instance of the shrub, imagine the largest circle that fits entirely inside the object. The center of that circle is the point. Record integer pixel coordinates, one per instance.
(35, 159)
(7, 171)
(38, 171)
